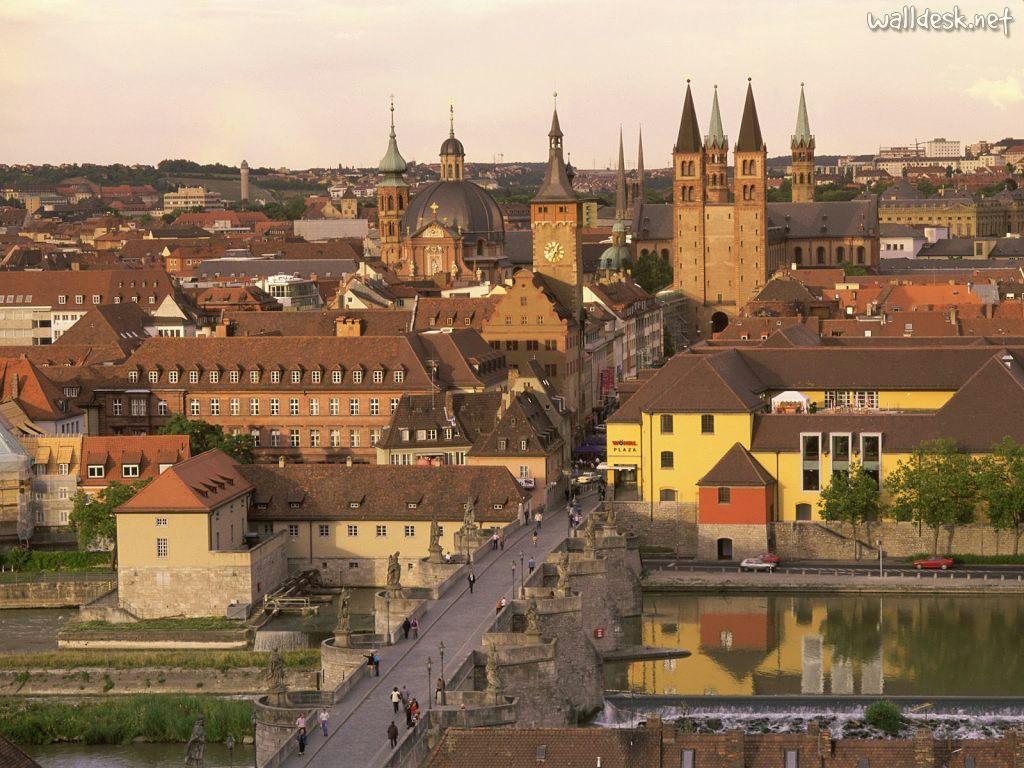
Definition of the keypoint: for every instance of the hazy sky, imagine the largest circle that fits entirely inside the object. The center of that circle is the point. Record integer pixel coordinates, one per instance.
(219, 80)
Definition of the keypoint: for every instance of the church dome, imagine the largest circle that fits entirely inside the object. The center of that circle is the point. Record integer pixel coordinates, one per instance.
(614, 258)
(452, 146)
(459, 204)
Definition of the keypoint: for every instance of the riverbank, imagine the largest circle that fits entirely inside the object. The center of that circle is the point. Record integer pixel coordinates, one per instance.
(124, 720)
(758, 582)
(203, 633)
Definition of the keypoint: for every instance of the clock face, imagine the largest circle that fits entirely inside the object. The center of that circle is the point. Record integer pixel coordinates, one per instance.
(554, 252)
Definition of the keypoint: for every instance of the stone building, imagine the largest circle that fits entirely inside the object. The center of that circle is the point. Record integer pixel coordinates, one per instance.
(963, 214)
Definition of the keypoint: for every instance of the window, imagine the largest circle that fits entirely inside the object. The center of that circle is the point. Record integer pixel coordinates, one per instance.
(840, 454)
(293, 406)
(382, 530)
(871, 455)
(374, 437)
(154, 377)
(374, 406)
(810, 453)
(522, 445)
(161, 408)
(275, 377)
(378, 376)
(79, 298)
(254, 433)
(352, 530)
(667, 494)
(335, 438)
(254, 406)
(233, 377)
(353, 406)
(324, 530)
(314, 407)
(234, 406)
(707, 424)
(254, 377)
(687, 759)
(193, 377)
(116, 407)
(336, 377)
(667, 460)
(133, 376)
(333, 406)
(275, 407)
(214, 377)
(724, 495)
(296, 377)
(275, 438)
(353, 438)
(172, 377)
(314, 438)
(666, 424)
(315, 376)
(62, 299)
(394, 404)
(138, 406)
(161, 547)
(503, 445)
(399, 377)
(357, 377)
(293, 530)
(532, 345)
(409, 531)
(129, 470)
(97, 470)
(792, 756)
(161, 521)
(193, 407)
(293, 438)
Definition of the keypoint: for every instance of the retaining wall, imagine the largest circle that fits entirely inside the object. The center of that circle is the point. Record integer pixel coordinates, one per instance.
(52, 594)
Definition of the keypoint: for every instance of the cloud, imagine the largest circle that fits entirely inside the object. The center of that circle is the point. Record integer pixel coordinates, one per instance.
(999, 93)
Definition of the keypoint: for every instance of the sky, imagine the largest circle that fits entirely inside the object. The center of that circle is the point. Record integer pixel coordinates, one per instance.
(307, 84)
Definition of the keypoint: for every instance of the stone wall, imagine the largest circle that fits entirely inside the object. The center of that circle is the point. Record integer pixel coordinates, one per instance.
(97, 681)
(579, 666)
(340, 665)
(528, 673)
(662, 524)
(747, 540)
(834, 541)
(52, 594)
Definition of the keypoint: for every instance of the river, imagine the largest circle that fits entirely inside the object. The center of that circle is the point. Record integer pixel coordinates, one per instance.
(134, 756)
(28, 630)
(821, 644)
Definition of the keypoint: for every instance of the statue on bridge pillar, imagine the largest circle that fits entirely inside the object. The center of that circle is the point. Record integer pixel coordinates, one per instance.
(493, 673)
(196, 746)
(563, 574)
(394, 579)
(590, 535)
(532, 619)
(343, 628)
(434, 549)
(276, 676)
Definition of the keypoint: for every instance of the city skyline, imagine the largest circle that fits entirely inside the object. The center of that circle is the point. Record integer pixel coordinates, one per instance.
(312, 89)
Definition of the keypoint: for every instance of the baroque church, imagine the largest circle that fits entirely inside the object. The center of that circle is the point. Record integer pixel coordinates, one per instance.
(450, 230)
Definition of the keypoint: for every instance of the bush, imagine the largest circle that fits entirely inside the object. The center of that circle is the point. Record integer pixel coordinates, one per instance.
(1007, 559)
(20, 559)
(885, 716)
(307, 658)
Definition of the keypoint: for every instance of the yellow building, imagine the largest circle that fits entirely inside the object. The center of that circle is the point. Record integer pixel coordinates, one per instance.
(184, 544)
(796, 415)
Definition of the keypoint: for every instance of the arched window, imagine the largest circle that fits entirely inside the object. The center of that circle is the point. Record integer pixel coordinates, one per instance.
(689, 195)
(860, 254)
(798, 255)
(840, 254)
(644, 251)
(401, 203)
(820, 255)
(753, 167)
(664, 253)
(391, 203)
(479, 247)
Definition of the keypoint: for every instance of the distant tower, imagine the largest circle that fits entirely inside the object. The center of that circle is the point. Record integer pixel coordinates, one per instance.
(802, 145)
(750, 209)
(453, 155)
(640, 194)
(615, 257)
(688, 254)
(245, 181)
(716, 157)
(392, 197)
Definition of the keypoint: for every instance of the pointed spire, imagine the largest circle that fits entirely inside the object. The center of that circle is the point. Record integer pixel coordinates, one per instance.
(802, 134)
(451, 119)
(640, 159)
(689, 132)
(556, 129)
(620, 183)
(392, 162)
(750, 129)
(556, 185)
(716, 136)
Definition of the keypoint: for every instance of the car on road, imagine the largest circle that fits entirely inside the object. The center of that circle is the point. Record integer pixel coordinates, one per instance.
(933, 563)
(585, 478)
(770, 557)
(756, 564)
(527, 482)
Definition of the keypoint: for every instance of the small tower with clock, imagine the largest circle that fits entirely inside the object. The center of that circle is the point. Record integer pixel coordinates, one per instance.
(556, 218)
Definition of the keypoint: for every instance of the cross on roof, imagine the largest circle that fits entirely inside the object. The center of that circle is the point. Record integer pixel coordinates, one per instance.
(433, 208)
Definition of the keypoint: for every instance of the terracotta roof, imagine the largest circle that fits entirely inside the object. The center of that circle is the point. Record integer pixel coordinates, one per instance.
(467, 415)
(110, 285)
(48, 355)
(236, 296)
(620, 295)
(372, 322)
(12, 757)
(558, 748)
(524, 423)
(737, 467)
(380, 492)
(22, 382)
(199, 484)
(148, 452)
(122, 325)
(453, 312)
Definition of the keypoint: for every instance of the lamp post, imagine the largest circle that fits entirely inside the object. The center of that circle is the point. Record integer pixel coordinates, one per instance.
(444, 683)
(229, 742)
(521, 569)
(430, 679)
(513, 579)
(254, 747)
(387, 620)
(880, 571)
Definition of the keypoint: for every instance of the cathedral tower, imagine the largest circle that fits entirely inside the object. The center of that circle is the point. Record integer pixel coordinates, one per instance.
(750, 237)
(392, 197)
(716, 157)
(802, 144)
(556, 218)
(453, 155)
(688, 274)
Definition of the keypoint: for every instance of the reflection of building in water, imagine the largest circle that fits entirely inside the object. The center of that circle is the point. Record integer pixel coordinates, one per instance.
(841, 676)
(872, 678)
(812, 670)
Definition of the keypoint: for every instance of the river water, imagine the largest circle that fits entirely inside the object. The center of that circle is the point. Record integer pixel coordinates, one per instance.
(820, 644)
(134, 756)
(27, 630)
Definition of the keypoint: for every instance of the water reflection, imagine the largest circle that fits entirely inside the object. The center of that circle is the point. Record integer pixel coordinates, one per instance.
(135, 756)
(750, 645)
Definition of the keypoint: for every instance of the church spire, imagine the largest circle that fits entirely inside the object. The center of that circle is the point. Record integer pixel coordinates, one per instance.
(716, 135)
(802, 135)
(620, 183)
(452, 153)
(750, 129)
(392, 162)
(640, 167)
(556, 185)
(689, 132)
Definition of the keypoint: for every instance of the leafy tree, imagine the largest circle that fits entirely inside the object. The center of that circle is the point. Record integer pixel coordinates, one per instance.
(885, 716)
(203, 436)
(652, 272)
(92, 518)
(949, 171)
(1001, 487)
(784, 194)
(168, 218)
(927, 189)
(854, 269)
(937, 487)
(668, 345)
(851, 497)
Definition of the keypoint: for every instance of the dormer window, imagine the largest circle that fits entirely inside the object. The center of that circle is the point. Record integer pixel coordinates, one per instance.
(399, 377)
(405, 435)
(498, 506)
(503, 445)
(412, 504)
(129, 470)
(233, 377)
(353, 505)
(315, 377)
(154, 377)
(193, 377)
(214, 377)
(447, 433)
(357, 377)
(254, 377)
(97, 470)
(294, 504)
(133, 376)
(522, 445)
(275, 377)
(336, 377)
(296, 377)
(378, 376)
(172, 377)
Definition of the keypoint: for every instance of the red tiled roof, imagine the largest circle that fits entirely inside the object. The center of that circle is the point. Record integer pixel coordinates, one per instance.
(199, 484)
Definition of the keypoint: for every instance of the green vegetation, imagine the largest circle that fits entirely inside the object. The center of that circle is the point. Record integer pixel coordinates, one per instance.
(830, 193)
(885, 716)
(784, 194)
(198, 624)
(32, 560)
(854, 269)
(203, 436)
(652, 272)
(92, 517)
(1001, 487)
(123, 719)
(851, 497)
(305, 659)
(974, 559)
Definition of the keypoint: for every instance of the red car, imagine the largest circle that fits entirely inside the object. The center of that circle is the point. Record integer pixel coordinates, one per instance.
(768, 557)
(940, 563)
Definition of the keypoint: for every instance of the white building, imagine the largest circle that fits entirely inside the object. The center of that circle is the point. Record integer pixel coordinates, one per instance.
(293, 293)
(330, 229)
(189, 198)
(942, 147)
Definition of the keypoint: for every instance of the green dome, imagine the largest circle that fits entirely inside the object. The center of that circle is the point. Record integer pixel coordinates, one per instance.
(614, 258)
(392, 162)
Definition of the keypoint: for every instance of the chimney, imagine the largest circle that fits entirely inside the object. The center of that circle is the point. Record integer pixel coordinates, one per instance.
(924, 749)
(281, 461)
(347, 327)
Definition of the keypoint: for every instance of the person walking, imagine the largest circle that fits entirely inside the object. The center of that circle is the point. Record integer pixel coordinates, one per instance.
(408, 714)
(531, 564)
(414, 710)
(534, 537)
(406, 626)
(439, 690)
(324, 718)
(376, 664)
(302, 741)
(472, 581)
(300, 722)
(538, 518)
(494, 541)
(415, 625)
(501, 541)
(396, 698)
(393, 734)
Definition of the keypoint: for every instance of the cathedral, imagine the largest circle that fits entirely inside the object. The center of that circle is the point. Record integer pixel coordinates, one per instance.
(450, 230)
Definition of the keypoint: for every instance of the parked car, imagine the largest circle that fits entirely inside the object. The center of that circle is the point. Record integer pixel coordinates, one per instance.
(527, 482)
(756, 564)
(770, 557)
(585, 478)
(933, 563)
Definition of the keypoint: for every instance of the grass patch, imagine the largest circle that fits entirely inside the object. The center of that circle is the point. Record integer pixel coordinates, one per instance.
(72, 659)
(976, 559)
(36, 560)
(120, 720)
(200, 624)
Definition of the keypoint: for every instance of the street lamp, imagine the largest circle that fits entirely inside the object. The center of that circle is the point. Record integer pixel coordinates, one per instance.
(444, 683)
(430, 679)
(229, 742)
(521, 569)
(387, 621)
(513, 579)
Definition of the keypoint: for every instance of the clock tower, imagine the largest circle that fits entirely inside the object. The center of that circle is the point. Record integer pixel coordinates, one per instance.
(556, 219)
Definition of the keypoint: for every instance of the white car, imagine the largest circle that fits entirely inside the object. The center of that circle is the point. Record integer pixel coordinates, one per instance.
(756, 564)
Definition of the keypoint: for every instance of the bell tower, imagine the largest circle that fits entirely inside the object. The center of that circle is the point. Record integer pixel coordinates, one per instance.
(453, 155)
(802, 144)
(751, 210)
(688, 267)
(392, 197)
(716, 157)
(556, 218)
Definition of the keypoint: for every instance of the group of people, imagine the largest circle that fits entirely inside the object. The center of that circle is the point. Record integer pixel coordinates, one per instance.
(323, 718)
(402, 701)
